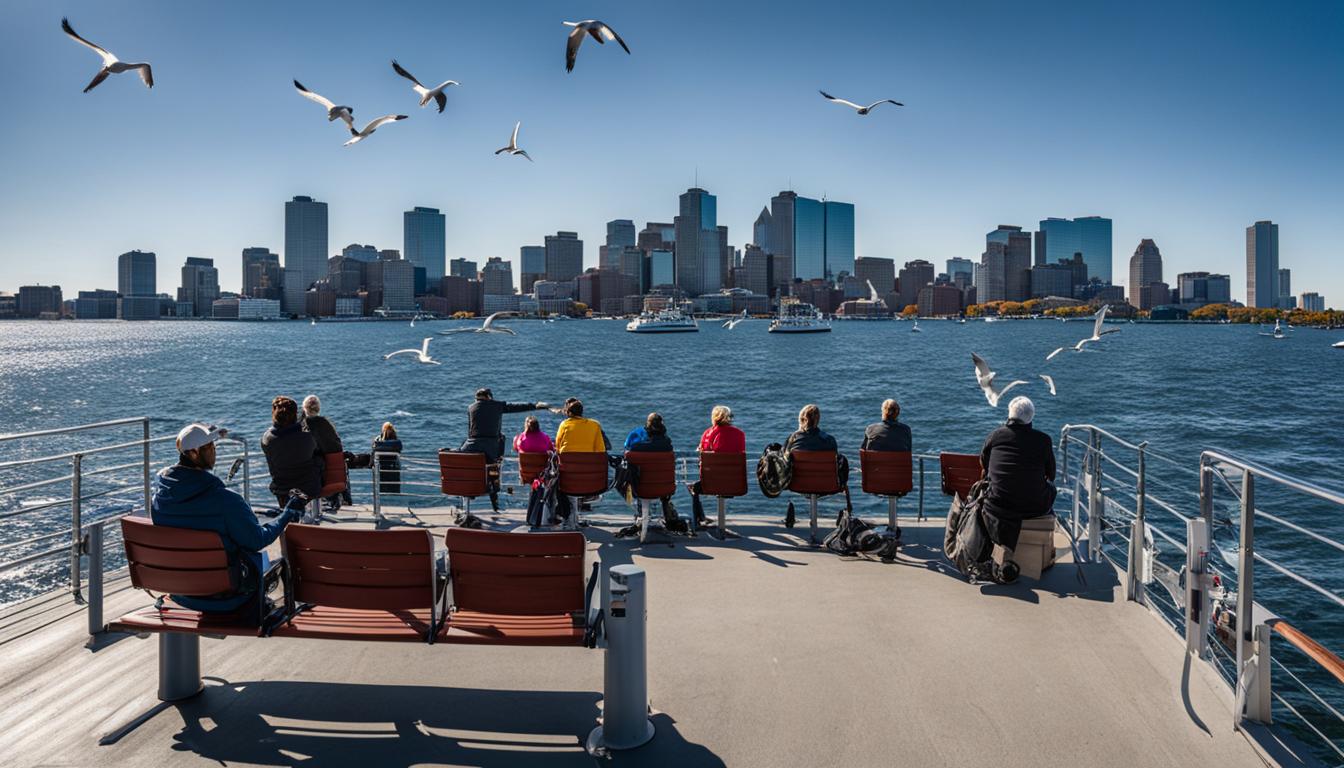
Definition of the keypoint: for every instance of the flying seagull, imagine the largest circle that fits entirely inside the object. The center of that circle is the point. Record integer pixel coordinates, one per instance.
(513, 149)
(1049, 381)
(111, 64)
(487, 327)
(334, 111)
(1097, 332)
(861, 109)
(371, 127)
(422, 354)
(435, 93)
(985, 378)
(600, 32)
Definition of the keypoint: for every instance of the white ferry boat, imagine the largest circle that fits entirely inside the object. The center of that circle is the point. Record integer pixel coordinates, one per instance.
(664, 321)
(799, 318)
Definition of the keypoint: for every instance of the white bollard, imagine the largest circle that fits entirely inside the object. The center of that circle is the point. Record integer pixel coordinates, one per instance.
(625, 698)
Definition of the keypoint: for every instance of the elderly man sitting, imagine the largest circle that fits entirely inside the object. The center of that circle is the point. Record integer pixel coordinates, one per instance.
(1019, 461)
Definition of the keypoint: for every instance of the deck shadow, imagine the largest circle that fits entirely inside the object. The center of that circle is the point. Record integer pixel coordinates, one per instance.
(284, 723)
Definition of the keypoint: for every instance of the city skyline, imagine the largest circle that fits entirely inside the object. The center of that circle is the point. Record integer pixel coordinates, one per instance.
(1175, 182)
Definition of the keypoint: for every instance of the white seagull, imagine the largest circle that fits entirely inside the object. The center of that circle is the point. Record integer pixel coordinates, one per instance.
(422, 354)
(487, 327)
(513, 149)
(985, 378)
(1049, 381)
(600, 32)
(334, 110)
(371, 127)
(862, 110)
(732, 322)
(111, 64)
(1097, 332)
(435, 93)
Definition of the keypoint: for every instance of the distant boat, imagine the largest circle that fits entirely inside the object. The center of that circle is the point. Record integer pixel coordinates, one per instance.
(314, 321)
(916, 328)
(1338, 345)
(991, 319)
(799, 318)
(664, 321)
(1278, 332)
(961, 321)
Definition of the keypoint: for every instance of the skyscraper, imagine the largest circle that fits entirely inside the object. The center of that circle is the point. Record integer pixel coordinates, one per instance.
(914, 276)
(760, 230)
(1262, 265)
(781, 235)
(958, 265)
(305, 249)
(364, 253)
(564, 256)
(262, 275)
(809, 239)
(880, 272)
(620, 233)
(461, 267)
(422, 240)
(1145, 269)
(1286, 299)
(200, 285)
(532, 266)
(839, 238)
(698, 250)
(1313, 302)
(1195, 289)
(137, 284)
(1059, 239)
(497, 277)
(1016, 266)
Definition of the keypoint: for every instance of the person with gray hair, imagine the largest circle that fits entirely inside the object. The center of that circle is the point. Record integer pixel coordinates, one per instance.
(324, 432)
(1019, 461)
(889, 434)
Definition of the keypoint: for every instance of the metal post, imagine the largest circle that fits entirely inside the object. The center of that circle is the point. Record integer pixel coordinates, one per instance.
(812, 509)
(1094, 504)
(1252, 667)
(1133, 565)
(921, 487)
(891, 513)
(1196, 587)
(625, 688)
(1255, 684)
(145, 468)
(377, 498)
(179, 666)
(93, 547)
(76, 526)
(247, 474)
(1064, 455)
(723, 518)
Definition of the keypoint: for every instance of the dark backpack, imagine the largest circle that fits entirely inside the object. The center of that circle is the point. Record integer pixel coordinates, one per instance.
(773, 471)
(853, 536)
(965, 540)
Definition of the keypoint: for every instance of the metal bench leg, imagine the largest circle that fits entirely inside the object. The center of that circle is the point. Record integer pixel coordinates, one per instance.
(625, 681)
(891, 513)
(723, 534)
(179, 666)
(812, 508)
(643, 520)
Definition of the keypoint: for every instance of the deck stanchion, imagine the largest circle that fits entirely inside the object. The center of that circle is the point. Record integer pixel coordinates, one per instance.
(921, 487)
(76, 527)
(1252, 650)
(1133, 566)
(1196, 587)
(145, 467)
(93, 547)
(625, 687)
(377, 499)
(247, 474)
(1094, 503)
(179, 666)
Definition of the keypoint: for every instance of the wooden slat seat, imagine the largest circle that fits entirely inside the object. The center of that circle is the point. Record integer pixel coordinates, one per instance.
(333, 474)
(327, 623)
(583, 473)
(174, 618)
(657, 473)
(959, 472)
(723, 474)
(531, 464)
(886, 473)
(814, 473)
(475, 628)
(463, 474)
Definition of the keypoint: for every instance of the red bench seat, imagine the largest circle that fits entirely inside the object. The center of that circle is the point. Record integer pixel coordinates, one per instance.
(475, 628)
(173, 618)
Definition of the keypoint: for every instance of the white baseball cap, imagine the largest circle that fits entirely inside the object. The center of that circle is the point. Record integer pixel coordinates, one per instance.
(193, 436)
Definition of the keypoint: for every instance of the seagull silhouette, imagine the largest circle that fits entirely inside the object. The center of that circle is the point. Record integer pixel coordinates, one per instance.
(435, 93)
(861, 109)
(600, 32)
(111, 64)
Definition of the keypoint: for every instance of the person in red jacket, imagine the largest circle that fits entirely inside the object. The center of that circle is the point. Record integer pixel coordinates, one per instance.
(721, 437)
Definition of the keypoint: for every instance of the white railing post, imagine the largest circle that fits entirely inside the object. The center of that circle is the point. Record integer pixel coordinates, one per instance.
(1197, 606)
(1252, 641)
(1134, 564)
(247, 474)
(1094, 503)
(377, 499)
(76, 526)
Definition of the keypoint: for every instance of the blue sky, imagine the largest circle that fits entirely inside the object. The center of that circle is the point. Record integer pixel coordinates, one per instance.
(1182, 122)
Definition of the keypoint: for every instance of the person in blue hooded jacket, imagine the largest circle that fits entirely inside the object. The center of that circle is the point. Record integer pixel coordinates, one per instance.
(189, 495)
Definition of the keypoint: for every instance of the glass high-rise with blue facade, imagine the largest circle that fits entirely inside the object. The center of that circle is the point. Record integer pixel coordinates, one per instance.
(698, 252)
(839, 238)
(305, 249)
(1262, 264)
(422, 241)
(809, 239)
(1088, 235)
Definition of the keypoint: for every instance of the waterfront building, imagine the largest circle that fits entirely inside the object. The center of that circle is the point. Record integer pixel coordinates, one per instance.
(422, 240)
(467, 268)
(1015, 268)
(1262, 265)
(620, 233)
(1145, 268)
(632, 265)
(960, 266)
(727, 258)
(346, 275)
(939, 300)
(263, 278)
(760, 230)
(531, 266)
(1195, 289)
(697, 243)
(658, 236)
(497, 277)
(913, 276)
(758, 271)
(320, 300)
(809, 239)
(1312, 302)
(820, 293)
(363, 253)
(38, 301)
(839, 238)
(305, 249)
(398, 283)
(1038, 249)
(462, 294)
(9, 306)
(878, 271)
(499, 302)
(137, 280)
(1060, 239)
(564, 256)
(552, 289)
(1097, 292)
(349, 306)
(96, 305)
(200, 286)
(389, 254)
(1153, 295)
(1051, 280)
(597, 284)
(1286, 298)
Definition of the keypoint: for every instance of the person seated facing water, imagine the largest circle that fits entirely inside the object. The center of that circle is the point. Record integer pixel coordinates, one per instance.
(291, 453)
(577, 433)
(809, 436)
(652, 437)
(1019, 461)
(887, 434)
(485, 433)
(189, 495)
(324, 433)
(720, 437)
(389, 463)
(532, 439)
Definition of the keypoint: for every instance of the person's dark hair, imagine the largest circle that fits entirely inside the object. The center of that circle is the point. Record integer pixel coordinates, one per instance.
(654, 424)
(284, 411)
(389, 432)
(573, 407)
(484, 393)
(530, 424)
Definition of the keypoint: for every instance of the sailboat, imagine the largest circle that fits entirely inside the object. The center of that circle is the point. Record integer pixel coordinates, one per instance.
(1278, 332)
(916, 328)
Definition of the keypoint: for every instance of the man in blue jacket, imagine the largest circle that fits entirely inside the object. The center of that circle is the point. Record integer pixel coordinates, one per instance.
(189, 495)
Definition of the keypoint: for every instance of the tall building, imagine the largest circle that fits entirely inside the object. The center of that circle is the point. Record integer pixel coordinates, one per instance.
(137, 281)
(781, 235)
(346, 275)
(463, 268)
(564, 256)
(531, 266)
(809, 239)
(1195, 289)
(957, 266)
(1262, 265)
(1059, 239)
(1286, 299)
(880, 272)
(632, 267)
(662, 269)
(364, 253)
(262, 274)
(96, 305)
(620, 233)
(398, 285)
(200, 285)
(37, 300)
(1313, 302)
(657, 236)
(1145, 269)
(760, 230)
(422, 240)
(758, 273)
(497, 277)
(839, 238)
(305, 250)
(914, 276)
(1051, 280)
(698, 248)
(1014, 271)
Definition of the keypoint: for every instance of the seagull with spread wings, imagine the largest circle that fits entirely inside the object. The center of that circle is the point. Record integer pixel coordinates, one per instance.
(1097, 332)
(426, 94)
(421, 354)
(111, 64)
(334, 110)
(371, 127)
(600, 32)
(985, 378)
(487, 327)
(862, 110)
(512, 148)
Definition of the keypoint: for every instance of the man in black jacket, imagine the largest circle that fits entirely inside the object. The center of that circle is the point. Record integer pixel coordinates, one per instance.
(485, 431)
(291, 453)
(1020, 464)
(887, 434)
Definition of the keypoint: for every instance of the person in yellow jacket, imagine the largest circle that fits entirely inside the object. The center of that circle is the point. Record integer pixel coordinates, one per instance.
(579, 434)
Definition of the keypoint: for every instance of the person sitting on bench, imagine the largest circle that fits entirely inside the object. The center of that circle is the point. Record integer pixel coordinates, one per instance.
(887, 434)
(1019, 461)
(327, 439)
(291, 453)
(485, 432)
(189, 495)
(721, 437)
(653, 437)
(809, 436)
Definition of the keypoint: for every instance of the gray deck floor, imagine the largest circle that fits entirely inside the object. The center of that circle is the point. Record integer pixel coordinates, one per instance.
(761, 654)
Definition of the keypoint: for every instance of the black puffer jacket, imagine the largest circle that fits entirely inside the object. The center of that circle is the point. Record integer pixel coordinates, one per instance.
(324, 433)
(293, 459)
(1020, 463)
